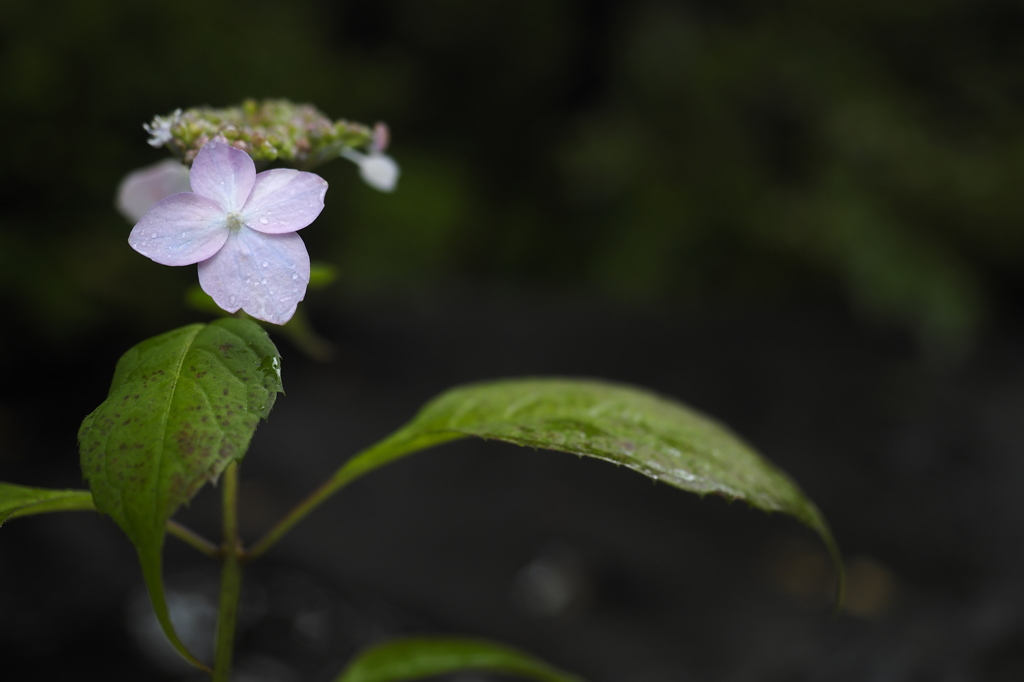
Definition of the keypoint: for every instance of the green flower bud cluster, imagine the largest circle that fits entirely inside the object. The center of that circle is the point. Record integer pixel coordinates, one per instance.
(297, 135)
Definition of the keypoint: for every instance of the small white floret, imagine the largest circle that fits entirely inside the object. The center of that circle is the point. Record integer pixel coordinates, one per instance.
(160, 129)
(377, 170)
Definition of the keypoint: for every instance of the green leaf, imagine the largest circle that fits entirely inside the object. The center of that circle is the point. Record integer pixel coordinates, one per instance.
(181, 406)
(17, 500)
(653, 435)
(418, 657)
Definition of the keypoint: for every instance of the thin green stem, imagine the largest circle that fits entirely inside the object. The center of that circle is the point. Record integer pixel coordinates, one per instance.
(193, 539)
(299, 512)
(388, 450)
(230, 578)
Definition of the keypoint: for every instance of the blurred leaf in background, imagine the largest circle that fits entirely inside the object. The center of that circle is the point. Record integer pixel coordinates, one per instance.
(863, 154)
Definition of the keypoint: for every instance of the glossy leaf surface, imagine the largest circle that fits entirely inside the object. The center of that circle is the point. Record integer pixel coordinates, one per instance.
(181, 406)
(417, 658)
(17, 500)
(651, 434)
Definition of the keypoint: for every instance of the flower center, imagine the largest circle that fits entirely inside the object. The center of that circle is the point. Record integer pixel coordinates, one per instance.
(234, 221)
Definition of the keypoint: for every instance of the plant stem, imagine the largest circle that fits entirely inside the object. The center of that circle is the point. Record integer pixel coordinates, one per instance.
(301, 510)
(373, 457)
(193, 539)
(230, 578)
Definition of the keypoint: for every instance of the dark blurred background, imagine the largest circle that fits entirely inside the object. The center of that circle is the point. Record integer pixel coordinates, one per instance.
(800, 217)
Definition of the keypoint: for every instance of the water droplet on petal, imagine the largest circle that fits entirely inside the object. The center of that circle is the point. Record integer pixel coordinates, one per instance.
(295, 276)
(264, 220)
(263, 281)
(266, 264)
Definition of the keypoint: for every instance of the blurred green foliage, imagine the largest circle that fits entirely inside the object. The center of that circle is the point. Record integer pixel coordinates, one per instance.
(677, 152)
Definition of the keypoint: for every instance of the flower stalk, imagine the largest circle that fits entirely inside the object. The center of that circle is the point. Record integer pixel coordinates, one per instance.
(230, 580)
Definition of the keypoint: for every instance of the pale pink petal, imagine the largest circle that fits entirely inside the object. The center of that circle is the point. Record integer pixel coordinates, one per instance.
(284, 200)
(381, 138)
(263, 274)
(180, 230)
(142, 188)
(224, 174)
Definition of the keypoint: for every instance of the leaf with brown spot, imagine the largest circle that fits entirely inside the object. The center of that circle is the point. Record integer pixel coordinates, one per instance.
(177, 413)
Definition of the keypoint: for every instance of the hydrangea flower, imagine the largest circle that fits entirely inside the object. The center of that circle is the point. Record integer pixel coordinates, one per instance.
(239, 226)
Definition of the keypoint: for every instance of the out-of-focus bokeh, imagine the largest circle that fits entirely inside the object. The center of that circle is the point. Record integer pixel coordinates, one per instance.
(864, 154)
(803, 217)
